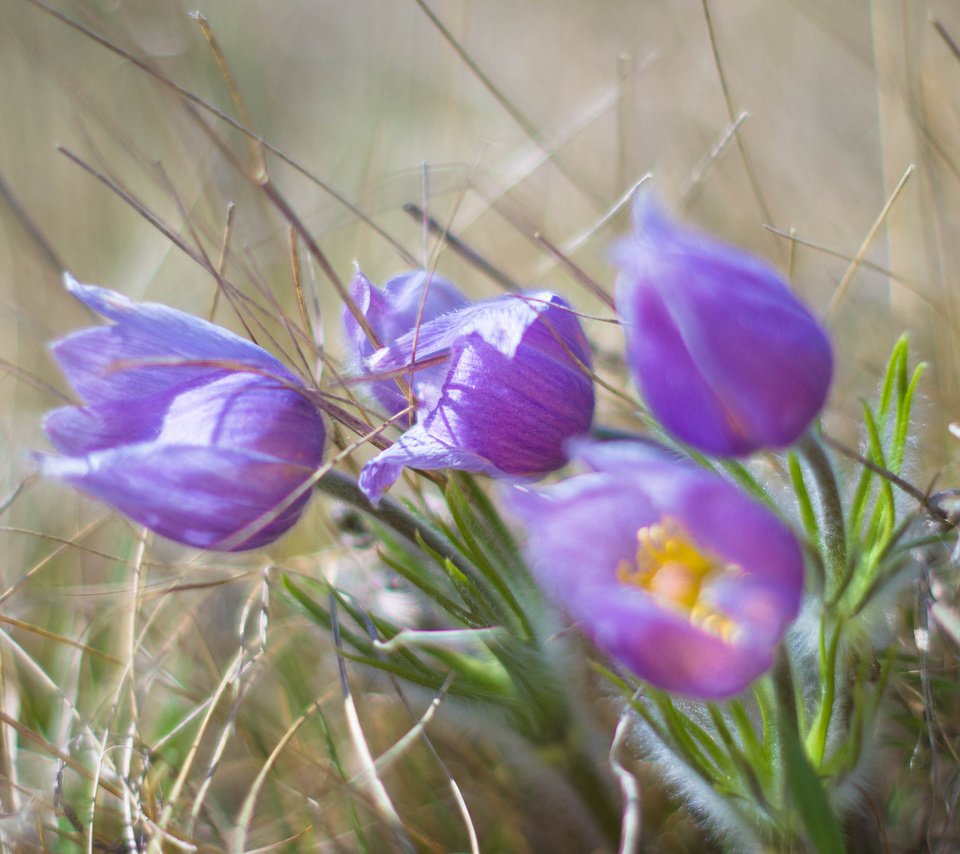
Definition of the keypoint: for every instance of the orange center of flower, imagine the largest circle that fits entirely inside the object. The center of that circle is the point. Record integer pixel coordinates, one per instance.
(671, 567)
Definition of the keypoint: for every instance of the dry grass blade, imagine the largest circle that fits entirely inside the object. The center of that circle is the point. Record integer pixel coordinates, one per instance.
(60, 639)
(369, 779)
(732, 116)
(528, 127)
(629, 786)
(844, 283)
(587, 234)
(462, 248)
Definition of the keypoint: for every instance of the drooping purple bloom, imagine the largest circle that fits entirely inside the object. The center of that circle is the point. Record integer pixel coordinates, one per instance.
(669, 569)
(186, 428)
(726, 357)
(500, 386)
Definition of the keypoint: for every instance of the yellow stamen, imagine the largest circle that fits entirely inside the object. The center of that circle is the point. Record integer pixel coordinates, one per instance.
(673, 569)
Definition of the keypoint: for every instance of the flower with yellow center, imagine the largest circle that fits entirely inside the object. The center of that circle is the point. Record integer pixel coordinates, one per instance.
(669, 569)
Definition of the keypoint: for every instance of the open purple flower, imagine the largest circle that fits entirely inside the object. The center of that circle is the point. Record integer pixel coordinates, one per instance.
(668, 568)
(726, 357)
(186, 428)
(500, 386)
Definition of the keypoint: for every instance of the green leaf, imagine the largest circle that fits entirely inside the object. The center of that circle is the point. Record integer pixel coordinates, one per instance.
(692, 743)
(895, 365)
(319, 612)
(756, 752)
(808, 798)
(475, 535)
(747, 482)
(807, 515)
(903, 420)
(412, 572)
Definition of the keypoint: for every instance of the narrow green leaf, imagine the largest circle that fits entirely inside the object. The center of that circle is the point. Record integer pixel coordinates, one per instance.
(807, 796)
(903, 420)
(898, 357)
(712, 765)
(320, 614)
(752, 745)
(474, 535)
(746, 481)
(883, 517)
(425, 585)
(807, 514)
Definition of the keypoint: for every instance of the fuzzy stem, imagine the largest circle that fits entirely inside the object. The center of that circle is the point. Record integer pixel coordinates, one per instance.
(785, 689)
(831, 508)
(817, 738)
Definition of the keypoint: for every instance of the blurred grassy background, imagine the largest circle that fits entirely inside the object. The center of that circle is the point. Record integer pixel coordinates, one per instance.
(565, 106)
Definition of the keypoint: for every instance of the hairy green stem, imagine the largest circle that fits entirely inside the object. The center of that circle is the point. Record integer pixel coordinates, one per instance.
(831, 509)
(817, 737)
(785, 689)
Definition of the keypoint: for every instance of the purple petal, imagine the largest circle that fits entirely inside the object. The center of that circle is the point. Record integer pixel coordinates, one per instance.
(203, 497)
(502, 323)
(249, 412)
(665, 649)
(100, 363)
(393, 312)
(415, 449)
(726, 357)
(83, 429)
(496, 414)
(215, 455)
(515, 412)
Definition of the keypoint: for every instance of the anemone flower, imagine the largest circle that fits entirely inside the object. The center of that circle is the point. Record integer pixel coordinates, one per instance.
(499, 386)
(726, 357)
(188, 429)
(669, 569)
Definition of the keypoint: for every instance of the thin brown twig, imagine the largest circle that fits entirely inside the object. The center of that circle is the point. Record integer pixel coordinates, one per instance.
(732, 116)
(459, 246)
(922, 498)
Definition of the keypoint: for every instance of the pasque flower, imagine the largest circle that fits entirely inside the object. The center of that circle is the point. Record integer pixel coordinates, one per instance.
(186, 428)
(726, 357)
(404, 301)
(670, 569)
(499, 386)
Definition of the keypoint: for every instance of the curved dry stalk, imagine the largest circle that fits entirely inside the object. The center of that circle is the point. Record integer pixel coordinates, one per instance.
(631, 822)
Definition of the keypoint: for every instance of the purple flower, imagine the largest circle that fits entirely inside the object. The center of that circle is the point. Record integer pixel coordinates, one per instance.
(186, 428)
(393, 311)
(726, 357)
(669, 569)
(500, 386)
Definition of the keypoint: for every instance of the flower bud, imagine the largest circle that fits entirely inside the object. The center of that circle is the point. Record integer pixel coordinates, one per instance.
(726, 357)
(499, 387)
(668, 568)
(188, 429)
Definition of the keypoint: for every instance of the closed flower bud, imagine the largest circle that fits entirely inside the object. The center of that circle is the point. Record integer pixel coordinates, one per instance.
(669, 569)
(188, 429)
(499, 387)
(726, 357)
